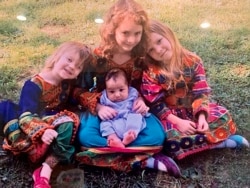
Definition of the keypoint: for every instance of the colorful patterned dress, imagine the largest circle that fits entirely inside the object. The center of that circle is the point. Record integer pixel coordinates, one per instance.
(94, 147)
(186, 99)
(41, 106)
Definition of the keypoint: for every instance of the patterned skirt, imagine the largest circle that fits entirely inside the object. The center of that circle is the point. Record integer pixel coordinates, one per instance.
(94, 149)
(221, 126)
(120, 159)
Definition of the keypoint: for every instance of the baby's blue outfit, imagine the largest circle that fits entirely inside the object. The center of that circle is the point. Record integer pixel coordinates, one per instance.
(126, 119)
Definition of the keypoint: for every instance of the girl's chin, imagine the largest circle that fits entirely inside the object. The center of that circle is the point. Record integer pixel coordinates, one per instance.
(67, 77)
(165, 59)
(127, 49)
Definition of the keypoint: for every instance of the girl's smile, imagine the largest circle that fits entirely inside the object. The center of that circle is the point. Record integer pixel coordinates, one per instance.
(159, 48)
(128, 34)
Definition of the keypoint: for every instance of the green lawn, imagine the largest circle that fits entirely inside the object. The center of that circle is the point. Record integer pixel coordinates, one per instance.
(224, 48)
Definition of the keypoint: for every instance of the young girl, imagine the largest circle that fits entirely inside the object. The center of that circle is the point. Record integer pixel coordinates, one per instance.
(124, 42)
(176, 88)
(39, 125)
(126, 125)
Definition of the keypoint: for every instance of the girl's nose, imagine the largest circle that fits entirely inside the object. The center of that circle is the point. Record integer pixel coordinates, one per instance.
(158, 49)
(131, 39)
(73, 65)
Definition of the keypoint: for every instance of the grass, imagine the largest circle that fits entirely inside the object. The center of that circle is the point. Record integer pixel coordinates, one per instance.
(224, 48)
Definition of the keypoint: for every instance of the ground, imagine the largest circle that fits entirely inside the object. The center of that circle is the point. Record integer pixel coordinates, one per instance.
(215, 168)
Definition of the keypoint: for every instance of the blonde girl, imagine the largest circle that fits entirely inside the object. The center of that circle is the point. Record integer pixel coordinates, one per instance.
(175, 86)
(40, 126)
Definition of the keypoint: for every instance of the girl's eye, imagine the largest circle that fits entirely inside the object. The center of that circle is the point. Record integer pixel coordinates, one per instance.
(159, 41)
(69, 60)
(121, 90)
(150, 50)
(80, 66)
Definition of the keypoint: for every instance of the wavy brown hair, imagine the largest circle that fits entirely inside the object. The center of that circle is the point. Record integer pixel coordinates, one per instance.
(116, 14)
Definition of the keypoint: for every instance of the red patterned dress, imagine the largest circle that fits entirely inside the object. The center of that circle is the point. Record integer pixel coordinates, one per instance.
(185, 99)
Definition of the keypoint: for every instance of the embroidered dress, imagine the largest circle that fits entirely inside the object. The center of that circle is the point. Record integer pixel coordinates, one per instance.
(41, 106)
(149, 140)
(186, 99)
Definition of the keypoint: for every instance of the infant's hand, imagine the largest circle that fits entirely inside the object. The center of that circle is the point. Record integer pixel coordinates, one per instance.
(48, 136)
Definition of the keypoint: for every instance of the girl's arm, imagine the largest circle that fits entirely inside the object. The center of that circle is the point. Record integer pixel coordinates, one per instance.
(140, 107)
(200, 91)
(153, 91)
(30, 108)
(30, 98)
(154, 94)
(105, 110)
(85, 91)
(184, 126)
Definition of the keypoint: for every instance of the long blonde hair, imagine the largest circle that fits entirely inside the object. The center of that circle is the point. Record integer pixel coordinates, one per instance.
(117, 13)
(84, 51)
(172, 69)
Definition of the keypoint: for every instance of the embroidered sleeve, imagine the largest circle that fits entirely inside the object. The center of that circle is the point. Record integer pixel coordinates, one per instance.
(29, 121)
(30, 97)
(153, 92)
(89, 100)
(33, 125)
(85, 92)
(201, 90)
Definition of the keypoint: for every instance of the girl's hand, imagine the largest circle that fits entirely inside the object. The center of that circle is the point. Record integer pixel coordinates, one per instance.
(186, 127)
(48, 136)
(202, 125)
(140, 107)
(105, 112)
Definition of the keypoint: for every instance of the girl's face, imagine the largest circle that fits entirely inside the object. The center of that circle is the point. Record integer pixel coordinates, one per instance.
(68, 66)
(117, 89)
(127, 35)
(159, 48)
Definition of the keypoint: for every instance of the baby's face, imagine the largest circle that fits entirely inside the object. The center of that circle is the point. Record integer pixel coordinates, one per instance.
(117, 89)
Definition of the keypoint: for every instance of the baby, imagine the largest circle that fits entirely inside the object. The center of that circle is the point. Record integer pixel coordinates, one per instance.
(124, 128)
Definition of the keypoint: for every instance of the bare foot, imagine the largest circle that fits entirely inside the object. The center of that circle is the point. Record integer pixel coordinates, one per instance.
(129, 137)
(115, 142)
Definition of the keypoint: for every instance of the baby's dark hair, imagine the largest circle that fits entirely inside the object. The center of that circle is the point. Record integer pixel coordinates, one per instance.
(115, 73)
